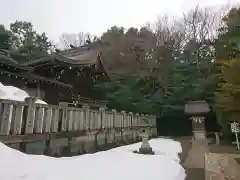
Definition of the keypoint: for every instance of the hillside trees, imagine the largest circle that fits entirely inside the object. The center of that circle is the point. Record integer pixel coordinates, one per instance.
(26, 43)
(4, 38)
(227, 68)
(163, 60)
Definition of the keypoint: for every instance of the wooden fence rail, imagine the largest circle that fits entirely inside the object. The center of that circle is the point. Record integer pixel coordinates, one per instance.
(23, 118)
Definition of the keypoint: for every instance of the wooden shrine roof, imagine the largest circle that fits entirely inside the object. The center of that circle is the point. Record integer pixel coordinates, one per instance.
(82, 55)
(23, 71)
(79, 56)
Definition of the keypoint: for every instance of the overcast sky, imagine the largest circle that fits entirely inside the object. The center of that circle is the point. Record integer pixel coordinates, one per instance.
(95, 16)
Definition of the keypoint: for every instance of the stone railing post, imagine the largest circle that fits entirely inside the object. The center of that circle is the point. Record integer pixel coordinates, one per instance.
(7, 115)
(137, 126)
(122, 123)
(123, 119)
(131, 120)
(99, 119)
(87, 117)
(150, 125)
(130, 125)
(137, 119)
(30, 114)
(147, 117)
(64, 118)
(103, 119)
(114, 119)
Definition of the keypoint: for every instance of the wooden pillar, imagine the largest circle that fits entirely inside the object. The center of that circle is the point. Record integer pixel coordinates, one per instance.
(51, 95)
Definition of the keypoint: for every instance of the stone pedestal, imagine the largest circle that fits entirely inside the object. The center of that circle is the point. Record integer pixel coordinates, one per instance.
(199, 135)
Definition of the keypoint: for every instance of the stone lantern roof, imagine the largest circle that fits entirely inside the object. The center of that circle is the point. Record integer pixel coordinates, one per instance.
(196, 107)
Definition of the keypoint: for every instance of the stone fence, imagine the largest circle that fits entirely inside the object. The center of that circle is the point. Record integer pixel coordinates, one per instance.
(23, 125)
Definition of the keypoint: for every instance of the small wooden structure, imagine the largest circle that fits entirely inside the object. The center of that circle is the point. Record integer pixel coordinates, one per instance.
(197, 110)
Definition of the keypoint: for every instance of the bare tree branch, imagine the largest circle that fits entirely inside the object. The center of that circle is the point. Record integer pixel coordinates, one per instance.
(201, 25)
(74, 39)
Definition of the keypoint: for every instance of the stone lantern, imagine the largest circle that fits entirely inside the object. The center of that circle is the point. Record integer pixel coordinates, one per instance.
(145, 147)
(197, 110)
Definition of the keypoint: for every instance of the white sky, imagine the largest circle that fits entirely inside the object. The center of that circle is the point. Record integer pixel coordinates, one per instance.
(71, 16)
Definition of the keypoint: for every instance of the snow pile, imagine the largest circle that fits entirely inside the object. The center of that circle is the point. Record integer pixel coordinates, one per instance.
(15, 94)
(160, 146)
(116, 164)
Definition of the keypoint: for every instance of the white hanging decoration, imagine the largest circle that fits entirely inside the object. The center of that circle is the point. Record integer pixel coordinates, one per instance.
(198, 119)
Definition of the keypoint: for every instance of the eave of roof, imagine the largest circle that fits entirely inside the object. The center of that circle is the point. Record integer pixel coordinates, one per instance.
(8, 61)
(6, 58)
(83, 58)
(89, 57)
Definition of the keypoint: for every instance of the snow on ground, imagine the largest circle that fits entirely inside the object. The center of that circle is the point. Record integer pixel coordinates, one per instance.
(115, 164)
(15, 94)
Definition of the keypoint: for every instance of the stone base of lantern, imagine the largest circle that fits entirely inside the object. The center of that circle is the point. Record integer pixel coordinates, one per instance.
(199, 134)
(145, 149)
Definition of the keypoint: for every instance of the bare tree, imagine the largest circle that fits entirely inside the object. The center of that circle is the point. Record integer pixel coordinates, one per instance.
(201, 25)
(76, 40)
(169, 35)
(169, 32)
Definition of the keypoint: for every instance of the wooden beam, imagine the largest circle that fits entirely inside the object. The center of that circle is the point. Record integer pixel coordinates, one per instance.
(33, 76)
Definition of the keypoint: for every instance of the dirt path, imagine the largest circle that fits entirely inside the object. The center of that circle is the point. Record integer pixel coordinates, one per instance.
(195, 163)
(189, 156)
(195, 173)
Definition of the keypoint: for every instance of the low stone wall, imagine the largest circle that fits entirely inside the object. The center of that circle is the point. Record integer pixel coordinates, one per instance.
(70, 146)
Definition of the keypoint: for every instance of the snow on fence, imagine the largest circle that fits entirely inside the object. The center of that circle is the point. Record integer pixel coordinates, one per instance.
(19, 118)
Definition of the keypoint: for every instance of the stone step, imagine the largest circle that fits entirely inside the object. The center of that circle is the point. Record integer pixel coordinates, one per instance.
(199, 134)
